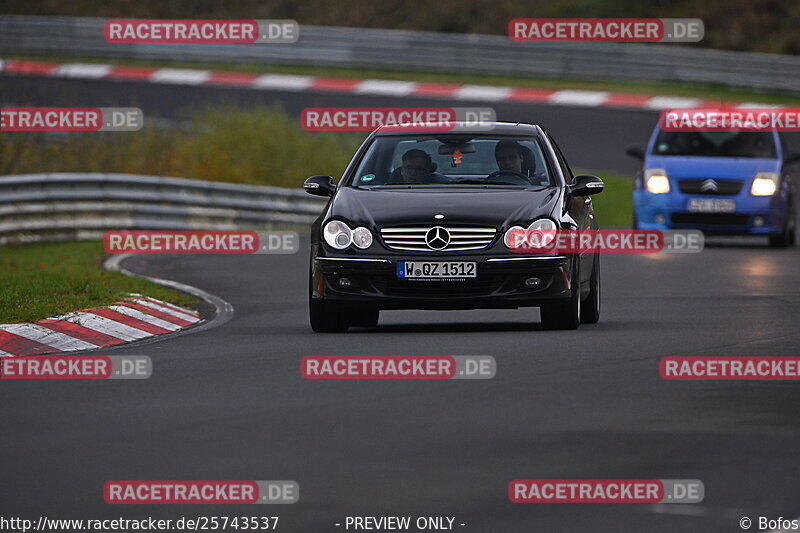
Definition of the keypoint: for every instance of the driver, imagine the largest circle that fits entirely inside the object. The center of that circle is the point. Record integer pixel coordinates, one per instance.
(509, 156)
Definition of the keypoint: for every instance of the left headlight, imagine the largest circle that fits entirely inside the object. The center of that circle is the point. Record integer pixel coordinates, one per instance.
(539, 234)
(545, 231)
(765, 184)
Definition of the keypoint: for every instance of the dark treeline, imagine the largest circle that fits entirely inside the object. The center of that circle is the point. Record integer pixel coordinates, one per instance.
(756, 25)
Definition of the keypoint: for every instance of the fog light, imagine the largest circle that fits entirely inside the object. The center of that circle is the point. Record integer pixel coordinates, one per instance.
(758, 222)
(659, 218)
(532, 283)
(345, 282)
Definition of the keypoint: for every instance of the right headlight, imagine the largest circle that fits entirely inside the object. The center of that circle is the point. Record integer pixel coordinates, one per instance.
(337, 234)
(515, 237)
(362, 237)
(656, 181)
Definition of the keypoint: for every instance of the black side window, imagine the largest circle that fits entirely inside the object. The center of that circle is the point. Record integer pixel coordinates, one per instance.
(562, 162)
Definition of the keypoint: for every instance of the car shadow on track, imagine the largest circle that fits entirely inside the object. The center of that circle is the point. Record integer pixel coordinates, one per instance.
(451, 327)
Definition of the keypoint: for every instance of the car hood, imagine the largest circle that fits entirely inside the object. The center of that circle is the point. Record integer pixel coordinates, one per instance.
(465, 205)
(742, 168)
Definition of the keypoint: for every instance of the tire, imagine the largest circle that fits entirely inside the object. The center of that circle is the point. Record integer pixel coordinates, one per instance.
(786, 237)
(366, 317)
(327, 317)
(564, 314)
(590, 308)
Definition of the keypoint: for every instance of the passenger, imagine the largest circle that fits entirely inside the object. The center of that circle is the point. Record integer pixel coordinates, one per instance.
(418, 169)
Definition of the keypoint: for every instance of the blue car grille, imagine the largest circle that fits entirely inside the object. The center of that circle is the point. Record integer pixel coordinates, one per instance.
(710, 186)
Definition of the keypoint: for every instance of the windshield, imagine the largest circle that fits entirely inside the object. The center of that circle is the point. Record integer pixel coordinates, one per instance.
(453, 160)
(716, 144)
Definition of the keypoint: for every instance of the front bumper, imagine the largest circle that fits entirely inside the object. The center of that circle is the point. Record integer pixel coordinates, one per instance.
(499, 284)
(753, 215)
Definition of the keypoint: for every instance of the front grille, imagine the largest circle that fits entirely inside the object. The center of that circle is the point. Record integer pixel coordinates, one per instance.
(718, 187)
(461, 238)
(709, 219)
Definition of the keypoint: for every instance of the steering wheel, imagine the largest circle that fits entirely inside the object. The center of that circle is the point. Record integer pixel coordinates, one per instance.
(511, 173)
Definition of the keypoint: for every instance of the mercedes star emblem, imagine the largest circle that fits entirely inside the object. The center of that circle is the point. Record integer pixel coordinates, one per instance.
(437, 238)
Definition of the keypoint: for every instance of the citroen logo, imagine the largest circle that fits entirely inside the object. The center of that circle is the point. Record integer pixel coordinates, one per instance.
(709, 185)
(437, 238)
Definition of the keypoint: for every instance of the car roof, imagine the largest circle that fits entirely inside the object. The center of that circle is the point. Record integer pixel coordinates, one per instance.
(497, 128)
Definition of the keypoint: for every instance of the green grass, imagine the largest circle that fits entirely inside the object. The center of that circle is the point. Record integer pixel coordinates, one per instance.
(613, 207)
(40, 281)
(696, 90)
(261, 146)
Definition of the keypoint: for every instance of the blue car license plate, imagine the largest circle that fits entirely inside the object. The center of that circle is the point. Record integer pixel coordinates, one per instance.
(711, 205)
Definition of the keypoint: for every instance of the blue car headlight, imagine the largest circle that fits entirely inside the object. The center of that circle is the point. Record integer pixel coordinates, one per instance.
(764, 184)
(656, 181)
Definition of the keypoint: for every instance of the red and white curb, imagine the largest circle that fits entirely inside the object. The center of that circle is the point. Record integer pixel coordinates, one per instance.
(290, 82)
(133, 319)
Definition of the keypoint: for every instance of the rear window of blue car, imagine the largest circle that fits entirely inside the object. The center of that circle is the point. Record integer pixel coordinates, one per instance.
(716, 144)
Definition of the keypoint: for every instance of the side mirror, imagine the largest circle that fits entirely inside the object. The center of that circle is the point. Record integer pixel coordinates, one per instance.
(320, 186)
(586, 185)
(791, 157)
(635, 151)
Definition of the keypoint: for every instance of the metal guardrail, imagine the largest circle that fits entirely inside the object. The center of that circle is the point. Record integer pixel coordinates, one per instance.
(53, 207)
(423, 51)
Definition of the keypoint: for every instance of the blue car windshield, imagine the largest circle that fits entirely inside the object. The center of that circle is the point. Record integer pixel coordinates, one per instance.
(453, 160)
(716, 144)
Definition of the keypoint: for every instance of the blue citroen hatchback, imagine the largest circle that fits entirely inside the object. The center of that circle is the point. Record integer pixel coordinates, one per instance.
(718, 182)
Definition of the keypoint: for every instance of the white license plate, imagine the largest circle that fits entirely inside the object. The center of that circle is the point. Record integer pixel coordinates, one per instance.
(711, 205)
(436, 269)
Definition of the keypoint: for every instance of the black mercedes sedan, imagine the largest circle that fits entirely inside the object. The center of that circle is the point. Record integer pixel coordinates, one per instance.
(421, 218)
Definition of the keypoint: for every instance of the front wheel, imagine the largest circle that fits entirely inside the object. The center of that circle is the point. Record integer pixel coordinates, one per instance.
(327, 317)
(590, 310)
(564, 314)
(786, 237)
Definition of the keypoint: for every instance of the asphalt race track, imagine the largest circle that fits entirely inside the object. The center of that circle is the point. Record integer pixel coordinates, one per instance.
(229, 402)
